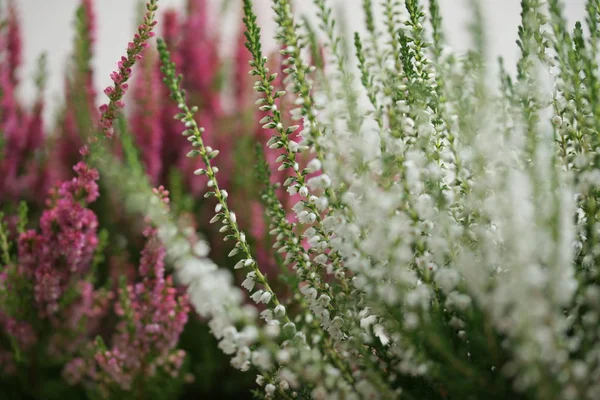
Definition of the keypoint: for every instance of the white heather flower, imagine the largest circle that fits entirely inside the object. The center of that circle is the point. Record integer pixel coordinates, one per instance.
(380, 333)
(273, 328)
(284, 385)
(239, 264)
(322, 203)
(447, 279)
(201, 248)
(228, 345)
(248, 283)
(313, 166)
(270, 389)
(266, 297)
(248, 335)
(256, 296)
(366, 322)
(303, 217)
(320, 259)
(458, 301)
(283, 357)
(261, 358)
(241, 360)
(279, 311)
(267, 315)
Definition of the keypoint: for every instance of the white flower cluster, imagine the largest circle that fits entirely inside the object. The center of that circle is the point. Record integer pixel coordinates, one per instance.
(446, 236)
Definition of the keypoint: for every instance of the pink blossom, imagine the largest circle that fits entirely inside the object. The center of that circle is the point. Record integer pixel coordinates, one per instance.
(146, 117)
(90, 91)
(65, 246)
(152, 314)
(124, 69)
(242, 80)
(14, 43)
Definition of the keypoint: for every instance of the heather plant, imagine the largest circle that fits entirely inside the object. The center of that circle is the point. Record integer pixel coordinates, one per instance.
(449, 236)
(48, 303)
(433, 225)
(54, 301)
(22, 156)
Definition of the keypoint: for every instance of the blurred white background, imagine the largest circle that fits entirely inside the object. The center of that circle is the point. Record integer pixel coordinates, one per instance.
(47, 26)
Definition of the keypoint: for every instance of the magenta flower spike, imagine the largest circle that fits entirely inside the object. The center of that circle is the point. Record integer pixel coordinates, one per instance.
(14, 42)
(14, 137)
(66, 244)
(152, 314)
(88, 7)
(117, 91)
(200, 61)
(146, 117)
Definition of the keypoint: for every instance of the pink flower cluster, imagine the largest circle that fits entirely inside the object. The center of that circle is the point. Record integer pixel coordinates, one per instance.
(14, 43)
(49, 305)
(195, 50)
(53, 268)
(63, 249)
(146, 118)
(80, 113)
(120, 77)
(194, 47)
(24, 176)
(78, 320)
(153, 313)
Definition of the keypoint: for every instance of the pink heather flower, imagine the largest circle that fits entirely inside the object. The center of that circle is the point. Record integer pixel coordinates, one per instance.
(74, 371)
(22, 332)
(7, 363)
(244, 93)
(197, 54)
(15, 139)
(14, 43)
(35, 126)
(80, 96)
(65, 246)
(172, 142)
(67, 145)
(146, 117)
(53, 265)
(37, 177)
(153, 314)
(199, 9)
(200, 62)
(171, 26)
(22, 132)
(124, 67)
(90, 18)
(79, 320)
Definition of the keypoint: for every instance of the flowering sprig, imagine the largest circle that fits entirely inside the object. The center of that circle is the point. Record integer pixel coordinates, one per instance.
(48, 304)
(146, 119)
(223, 213)
(120, 77)
(143, 351)
(310, 208)
(335, 45)
(275, 314)
(14, 42)
(308, 211)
